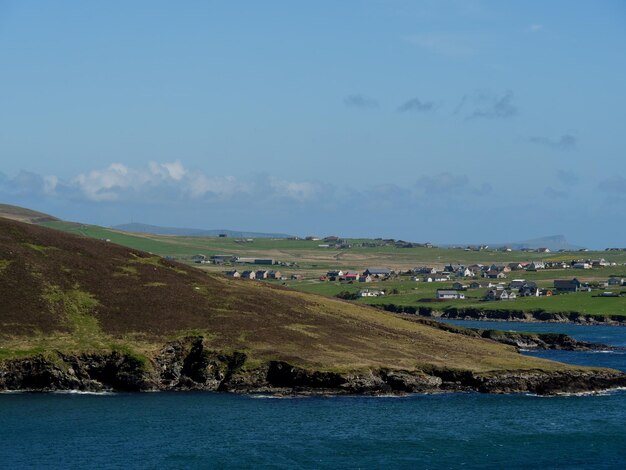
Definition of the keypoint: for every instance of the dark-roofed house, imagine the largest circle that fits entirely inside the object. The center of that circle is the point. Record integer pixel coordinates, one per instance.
(493, 274)
(274, 275)
(516, 283)
(234, 273)
(573, 285)
(500, 294)
(377, 272)
(248, 275)
(529, 289)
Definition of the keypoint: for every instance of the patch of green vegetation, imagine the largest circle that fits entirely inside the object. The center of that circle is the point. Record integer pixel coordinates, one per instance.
(77, 306)
(4, 263)
(39, 248)
(126, 271)
(151, 260)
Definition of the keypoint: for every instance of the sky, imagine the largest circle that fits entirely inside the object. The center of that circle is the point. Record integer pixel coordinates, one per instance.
(427, 120)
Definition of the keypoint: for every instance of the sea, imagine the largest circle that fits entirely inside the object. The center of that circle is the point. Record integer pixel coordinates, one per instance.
(214, 430)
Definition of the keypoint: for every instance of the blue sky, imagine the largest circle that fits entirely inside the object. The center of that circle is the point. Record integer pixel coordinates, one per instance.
(449, 121)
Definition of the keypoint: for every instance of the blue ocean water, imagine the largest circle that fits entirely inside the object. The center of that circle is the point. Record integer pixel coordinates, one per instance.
(205, 430)
(610, 335)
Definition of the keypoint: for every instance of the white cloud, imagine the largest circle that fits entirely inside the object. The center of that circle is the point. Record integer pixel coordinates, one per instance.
(160, 182)
(299, 191)
(50, 183)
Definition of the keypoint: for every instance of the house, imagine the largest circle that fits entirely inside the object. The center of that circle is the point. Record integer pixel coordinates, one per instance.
(370, 293)
(615, 281)
(334, 275)
(515, 266)
(452, 267)
(198, 258)
(492, 274)
(436, 278)
(365, 278)
(350, 276)
(248, 275)
(297, 277)
(443, 294)
(535, 265)
(459, 286)
(274, 275)
(234, 273)
(581, 265)
(377, 272)
(261, 275)
(599, 263)
(500, 268)
(516, 283)
(425, 270)
(529, 289)
(500, 294)
(573, 285)
(475, 285)
(465, 272)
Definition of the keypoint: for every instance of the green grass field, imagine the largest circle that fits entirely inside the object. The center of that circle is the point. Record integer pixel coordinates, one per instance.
(307, 258)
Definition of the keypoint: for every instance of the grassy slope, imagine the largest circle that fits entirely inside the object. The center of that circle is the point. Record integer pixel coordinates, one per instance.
(418, 294)
(313, 261)
(24, 215)
(69, 293)
(308, 253)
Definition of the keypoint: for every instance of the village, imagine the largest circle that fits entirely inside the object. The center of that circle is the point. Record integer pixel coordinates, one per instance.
(459, 279)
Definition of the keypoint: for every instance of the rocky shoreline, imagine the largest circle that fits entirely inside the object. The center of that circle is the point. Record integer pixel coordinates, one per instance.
(521, 340)
(541, 316)
(188, 364)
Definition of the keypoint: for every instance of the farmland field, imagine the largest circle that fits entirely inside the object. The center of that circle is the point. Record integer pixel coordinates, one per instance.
(312, 261)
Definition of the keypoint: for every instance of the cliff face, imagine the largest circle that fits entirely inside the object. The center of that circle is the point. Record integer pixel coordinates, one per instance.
(188, 364)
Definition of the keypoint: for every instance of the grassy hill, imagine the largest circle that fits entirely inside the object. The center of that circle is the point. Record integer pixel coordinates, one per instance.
(69, 295)
(25, 215)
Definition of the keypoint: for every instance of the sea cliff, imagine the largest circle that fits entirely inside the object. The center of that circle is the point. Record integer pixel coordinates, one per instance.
(188, 364)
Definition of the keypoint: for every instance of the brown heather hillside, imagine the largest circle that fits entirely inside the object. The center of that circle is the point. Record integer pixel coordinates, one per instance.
(60, 292)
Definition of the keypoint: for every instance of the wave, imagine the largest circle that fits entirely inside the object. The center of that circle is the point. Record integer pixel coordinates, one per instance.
(82, 392)
(592, 393)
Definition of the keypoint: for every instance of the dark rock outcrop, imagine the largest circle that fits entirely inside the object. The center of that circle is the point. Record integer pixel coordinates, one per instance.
(188, 364)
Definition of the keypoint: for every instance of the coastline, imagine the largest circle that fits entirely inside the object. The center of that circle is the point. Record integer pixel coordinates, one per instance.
(537, 316)
(185, 365)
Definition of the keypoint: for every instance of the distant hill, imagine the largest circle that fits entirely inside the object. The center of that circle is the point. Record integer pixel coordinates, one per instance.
(24, 215)
(84, 313)
(192, 232)
(553, 243)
